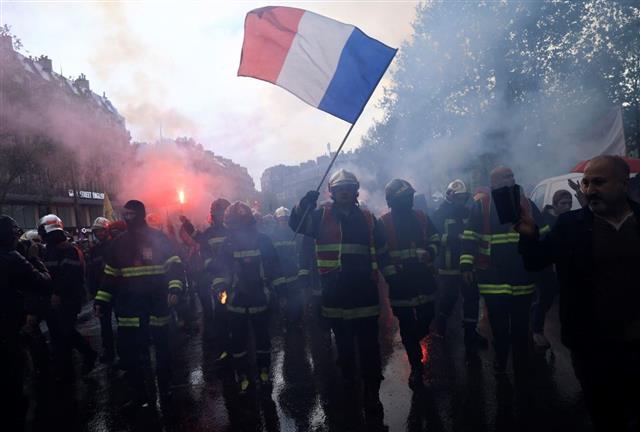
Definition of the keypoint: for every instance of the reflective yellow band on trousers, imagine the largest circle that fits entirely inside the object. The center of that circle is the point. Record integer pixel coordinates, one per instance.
(128, 321)
(103, 296)
(467, 259)
(506, 289)
(284, 243)
(176, 283)
(246, 253)
(414, 301)
(215, 240)
(352, 313)
(246, 310)
(159, 321)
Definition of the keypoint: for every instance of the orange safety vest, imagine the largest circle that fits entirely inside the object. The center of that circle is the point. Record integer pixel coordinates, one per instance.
(329, 246)
(397, 255)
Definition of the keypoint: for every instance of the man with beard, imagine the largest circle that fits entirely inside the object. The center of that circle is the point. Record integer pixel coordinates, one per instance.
(595, 250)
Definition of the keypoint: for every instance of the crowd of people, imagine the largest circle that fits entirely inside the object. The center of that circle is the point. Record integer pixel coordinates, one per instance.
(243, 266)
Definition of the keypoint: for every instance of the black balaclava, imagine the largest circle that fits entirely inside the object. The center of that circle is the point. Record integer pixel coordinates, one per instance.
(137, 220)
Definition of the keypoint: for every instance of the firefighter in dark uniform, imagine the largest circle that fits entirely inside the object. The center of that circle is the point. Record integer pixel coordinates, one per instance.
(143, 278)
(490, 257)
(23, 278)
(413, 246)
(287, 248)
(350, 248)
(450, 219)
(66, 264)
(213, 311)
(95, 271)
(246, 271)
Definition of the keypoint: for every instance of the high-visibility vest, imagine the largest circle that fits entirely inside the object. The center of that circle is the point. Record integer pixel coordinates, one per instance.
(329, 246)
(483, 258)
(397, 255)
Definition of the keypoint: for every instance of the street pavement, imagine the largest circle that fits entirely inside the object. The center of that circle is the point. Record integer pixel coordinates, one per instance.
(307, 396)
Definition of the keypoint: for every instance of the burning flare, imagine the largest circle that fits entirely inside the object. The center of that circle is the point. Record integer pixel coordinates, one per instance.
(181, 196)
(223, 297)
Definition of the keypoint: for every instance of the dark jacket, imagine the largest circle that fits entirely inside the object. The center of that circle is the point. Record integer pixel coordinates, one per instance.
(66, 264)
(351, 291)
(505, 274)
(95, 265)
(21, 285)
(247, 267)
(210, 241)
(570, 246)
(287, 248)
(450, 220)
(415, 236)
(141, 269)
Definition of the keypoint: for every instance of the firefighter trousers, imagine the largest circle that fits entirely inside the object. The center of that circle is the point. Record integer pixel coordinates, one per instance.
(240, 324)
(358, 338)
(509, 320)
(295, 301)
(414, 325)
(133, 344)
(221, 327)
(450, 288)
(546, 293)
(106, 330)
(65, 337)
(206, 303)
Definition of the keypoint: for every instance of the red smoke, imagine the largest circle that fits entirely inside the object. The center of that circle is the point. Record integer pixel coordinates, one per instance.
(161, 172)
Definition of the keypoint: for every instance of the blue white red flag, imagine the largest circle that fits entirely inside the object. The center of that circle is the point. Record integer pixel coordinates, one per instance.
(332, 66)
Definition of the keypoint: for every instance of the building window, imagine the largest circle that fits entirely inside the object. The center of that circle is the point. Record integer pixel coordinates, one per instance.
(24, 215)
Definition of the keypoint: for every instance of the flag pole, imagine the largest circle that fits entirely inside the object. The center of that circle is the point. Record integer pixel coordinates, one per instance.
(324, 177)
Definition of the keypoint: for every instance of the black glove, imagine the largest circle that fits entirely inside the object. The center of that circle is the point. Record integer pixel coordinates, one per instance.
(310, 200)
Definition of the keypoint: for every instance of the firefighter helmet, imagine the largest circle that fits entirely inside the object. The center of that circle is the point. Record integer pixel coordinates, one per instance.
(456, 187)
(343, 178)
(398, 189)
(50, 223)
(31, 235)
(219, 205)
(100, 223)
(238, 215)
(282, 212)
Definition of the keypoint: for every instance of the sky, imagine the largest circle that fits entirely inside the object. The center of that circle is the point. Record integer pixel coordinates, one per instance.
(172, 67)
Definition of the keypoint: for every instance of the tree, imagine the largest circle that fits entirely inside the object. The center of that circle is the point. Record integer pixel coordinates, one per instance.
(506, 82)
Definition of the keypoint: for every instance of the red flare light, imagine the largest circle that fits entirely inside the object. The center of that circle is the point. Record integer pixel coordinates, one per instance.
(181, 196)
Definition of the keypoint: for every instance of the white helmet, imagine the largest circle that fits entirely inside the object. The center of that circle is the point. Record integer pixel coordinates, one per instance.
(100, 223)
(282, 212)
(342, 178)
(51, 223)
(456, 187)
(31, 235)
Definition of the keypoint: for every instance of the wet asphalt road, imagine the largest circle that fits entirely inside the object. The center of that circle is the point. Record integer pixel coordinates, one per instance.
(306, 393)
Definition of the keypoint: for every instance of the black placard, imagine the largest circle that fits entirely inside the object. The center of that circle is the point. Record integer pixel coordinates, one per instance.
(507, 202)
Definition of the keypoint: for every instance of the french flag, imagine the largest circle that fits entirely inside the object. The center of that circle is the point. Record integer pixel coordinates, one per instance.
(328, 64)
